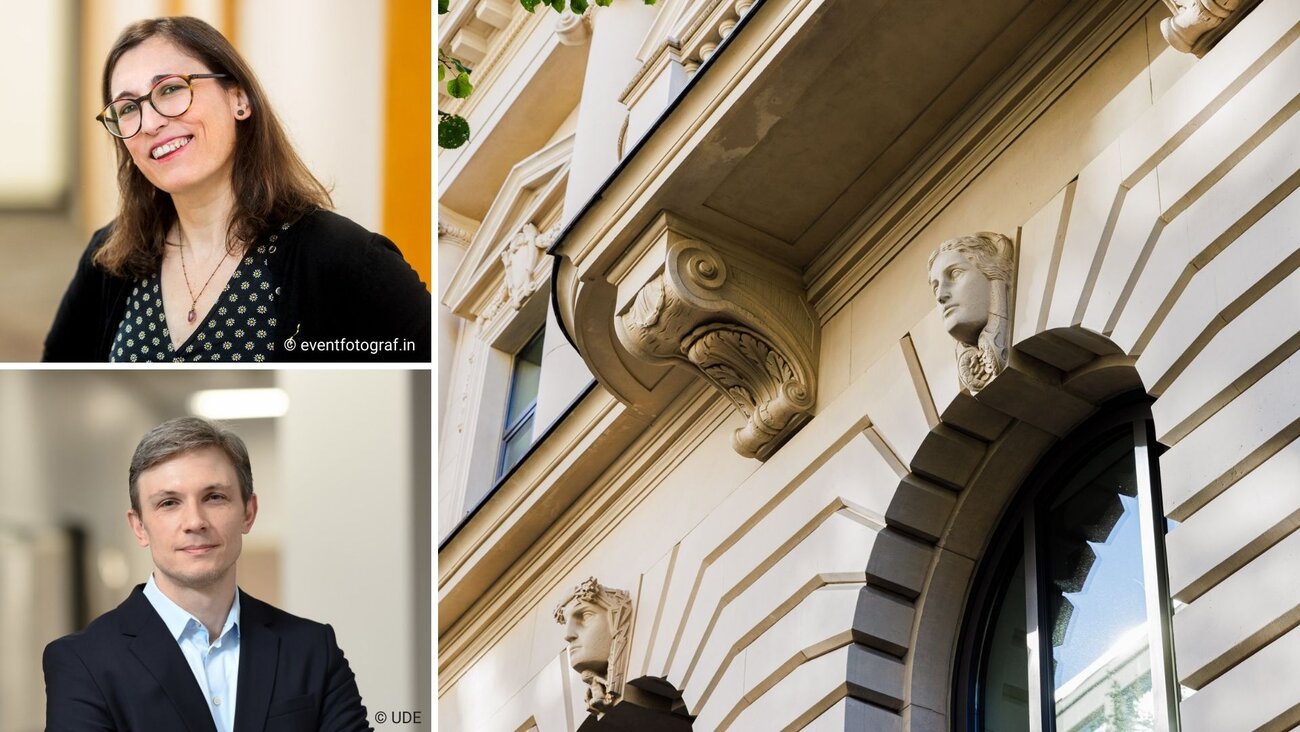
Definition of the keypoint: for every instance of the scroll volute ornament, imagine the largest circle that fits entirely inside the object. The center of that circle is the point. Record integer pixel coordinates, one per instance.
(739, 322)
(971, 280)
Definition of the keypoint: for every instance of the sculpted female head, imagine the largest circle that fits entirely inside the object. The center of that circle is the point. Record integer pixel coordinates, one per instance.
(964, 273)
(971, 279)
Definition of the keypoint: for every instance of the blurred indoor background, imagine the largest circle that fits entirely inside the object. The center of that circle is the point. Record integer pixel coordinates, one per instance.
(341, 466)
(350, 80)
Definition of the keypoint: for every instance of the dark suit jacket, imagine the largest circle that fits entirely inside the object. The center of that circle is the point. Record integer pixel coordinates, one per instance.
(125, 673)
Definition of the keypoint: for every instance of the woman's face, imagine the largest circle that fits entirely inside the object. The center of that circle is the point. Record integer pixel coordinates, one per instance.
(202, 164)
(963, 293)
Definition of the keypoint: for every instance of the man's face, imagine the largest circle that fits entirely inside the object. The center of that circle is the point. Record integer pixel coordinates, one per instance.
(963, 294)
(193, 517)
(589, 636)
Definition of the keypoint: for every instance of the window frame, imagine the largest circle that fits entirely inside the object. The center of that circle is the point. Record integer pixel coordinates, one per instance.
(1015, 537)
(508, 430)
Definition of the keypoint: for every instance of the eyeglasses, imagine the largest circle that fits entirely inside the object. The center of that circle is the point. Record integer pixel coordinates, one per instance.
(170, 97)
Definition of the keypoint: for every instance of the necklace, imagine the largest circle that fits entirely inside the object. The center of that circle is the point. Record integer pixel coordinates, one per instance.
(194, 299)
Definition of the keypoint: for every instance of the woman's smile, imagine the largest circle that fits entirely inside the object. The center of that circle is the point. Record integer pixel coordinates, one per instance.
(170, 148)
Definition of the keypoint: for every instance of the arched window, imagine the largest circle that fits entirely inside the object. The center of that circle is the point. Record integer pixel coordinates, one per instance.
(1068, 624)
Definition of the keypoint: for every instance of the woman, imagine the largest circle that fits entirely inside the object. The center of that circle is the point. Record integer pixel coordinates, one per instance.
(222, 249)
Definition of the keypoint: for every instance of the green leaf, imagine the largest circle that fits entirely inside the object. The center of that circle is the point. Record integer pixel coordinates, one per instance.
(649, 2)
(442, 73)
(578, 6)
(460, 66)
(603, 3)
(556, 5)
(443, 6)
(460, 87)
(529, 5)
(453, 131)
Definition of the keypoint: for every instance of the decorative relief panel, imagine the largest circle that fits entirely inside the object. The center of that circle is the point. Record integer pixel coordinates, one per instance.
(597, 621)
(971, 279)
(742, 325)
(520, 258)
(1193, 21)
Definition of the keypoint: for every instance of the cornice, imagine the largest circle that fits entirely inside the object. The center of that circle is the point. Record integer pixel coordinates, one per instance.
(502, 46)
(530, 186)
(532, 569)
(455, 234)
(645, 76)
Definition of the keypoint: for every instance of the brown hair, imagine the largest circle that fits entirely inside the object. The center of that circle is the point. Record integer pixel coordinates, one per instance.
(271, 183)
(187, 434)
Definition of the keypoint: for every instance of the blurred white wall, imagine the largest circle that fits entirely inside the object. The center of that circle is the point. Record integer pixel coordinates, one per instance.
(35, 38)
(322, 64)
(346, 454)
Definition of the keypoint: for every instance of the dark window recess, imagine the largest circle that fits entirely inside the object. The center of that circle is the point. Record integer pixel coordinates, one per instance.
(1067, 629)
(517, 436)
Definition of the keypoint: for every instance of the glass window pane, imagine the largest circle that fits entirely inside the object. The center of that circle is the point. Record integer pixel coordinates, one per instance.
(523, 384)
(1004, 686)
(516, 445)
(1101, 668)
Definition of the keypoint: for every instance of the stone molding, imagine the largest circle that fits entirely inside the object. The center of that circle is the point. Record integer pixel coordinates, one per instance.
(703, 31)
(1190, 28)
(455, 234)
(752, 336)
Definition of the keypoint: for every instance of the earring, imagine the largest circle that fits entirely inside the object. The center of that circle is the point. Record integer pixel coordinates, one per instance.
(240, 113)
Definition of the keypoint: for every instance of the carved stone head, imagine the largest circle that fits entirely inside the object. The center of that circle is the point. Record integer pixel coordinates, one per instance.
(597, 621)
(970, 277)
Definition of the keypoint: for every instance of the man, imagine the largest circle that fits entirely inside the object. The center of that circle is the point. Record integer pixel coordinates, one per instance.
(188, 650)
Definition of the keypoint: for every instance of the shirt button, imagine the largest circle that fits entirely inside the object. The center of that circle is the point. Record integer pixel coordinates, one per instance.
(216, 701)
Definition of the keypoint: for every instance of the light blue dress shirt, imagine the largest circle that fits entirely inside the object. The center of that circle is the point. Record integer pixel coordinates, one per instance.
(215, 664)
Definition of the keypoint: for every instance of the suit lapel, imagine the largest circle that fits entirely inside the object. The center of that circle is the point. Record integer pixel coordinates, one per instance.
(160, 654)
(259, 651)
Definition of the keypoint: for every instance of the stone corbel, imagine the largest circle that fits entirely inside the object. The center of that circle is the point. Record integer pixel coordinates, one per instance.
(1193, 20)
(741, 323)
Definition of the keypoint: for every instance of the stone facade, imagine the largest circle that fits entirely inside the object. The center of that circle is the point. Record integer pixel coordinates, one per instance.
(1138, 203)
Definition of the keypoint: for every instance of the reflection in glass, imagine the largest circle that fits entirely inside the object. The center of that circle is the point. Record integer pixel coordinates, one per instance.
(517, 436)
(1101, 671)
(523, 384)
(1004, 685)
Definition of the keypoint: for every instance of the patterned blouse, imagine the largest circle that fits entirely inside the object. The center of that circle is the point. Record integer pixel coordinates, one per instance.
(238, 328)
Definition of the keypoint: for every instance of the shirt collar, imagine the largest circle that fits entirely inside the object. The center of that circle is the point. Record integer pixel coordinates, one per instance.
(177, 619)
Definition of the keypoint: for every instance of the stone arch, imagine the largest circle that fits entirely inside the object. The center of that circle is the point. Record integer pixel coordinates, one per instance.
(961, 478)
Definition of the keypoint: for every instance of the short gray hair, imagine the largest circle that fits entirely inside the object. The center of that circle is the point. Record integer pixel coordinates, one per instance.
(187, 434)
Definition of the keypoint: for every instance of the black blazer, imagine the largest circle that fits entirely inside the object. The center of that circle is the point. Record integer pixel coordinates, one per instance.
(125, 673)
(337, 281)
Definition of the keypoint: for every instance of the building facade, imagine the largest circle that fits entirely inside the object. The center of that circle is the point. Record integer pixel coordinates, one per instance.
(872, 365)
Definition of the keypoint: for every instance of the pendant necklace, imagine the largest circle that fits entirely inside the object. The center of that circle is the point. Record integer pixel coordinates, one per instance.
(194, 299)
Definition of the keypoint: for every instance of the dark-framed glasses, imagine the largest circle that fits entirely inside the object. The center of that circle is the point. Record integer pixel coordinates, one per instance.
(170, 97)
